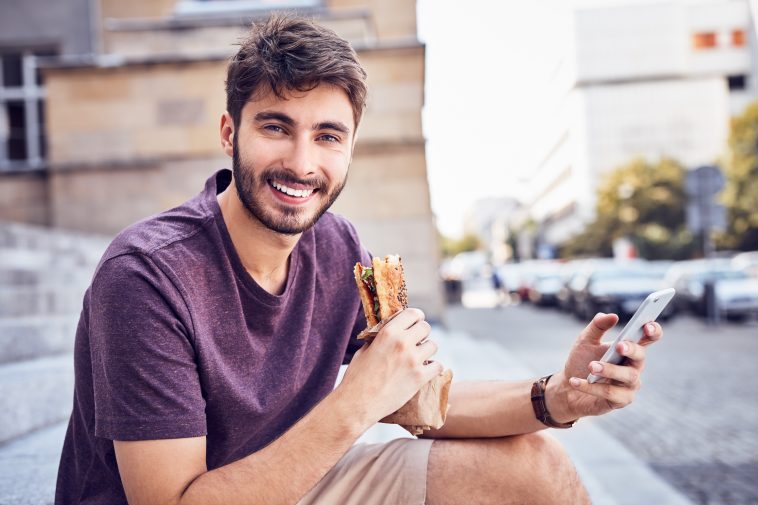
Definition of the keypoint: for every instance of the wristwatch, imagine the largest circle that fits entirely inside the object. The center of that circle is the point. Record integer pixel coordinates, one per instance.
(540, 409)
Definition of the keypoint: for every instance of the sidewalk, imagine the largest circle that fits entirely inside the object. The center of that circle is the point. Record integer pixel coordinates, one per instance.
(611, 473)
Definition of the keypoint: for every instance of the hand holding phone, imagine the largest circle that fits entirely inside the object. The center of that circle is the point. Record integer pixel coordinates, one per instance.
(648, 312)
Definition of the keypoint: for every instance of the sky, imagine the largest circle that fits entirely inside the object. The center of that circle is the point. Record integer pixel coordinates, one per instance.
(487, 62)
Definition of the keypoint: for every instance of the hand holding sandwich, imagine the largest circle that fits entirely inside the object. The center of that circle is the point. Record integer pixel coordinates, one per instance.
(383, 376)
(384, 297)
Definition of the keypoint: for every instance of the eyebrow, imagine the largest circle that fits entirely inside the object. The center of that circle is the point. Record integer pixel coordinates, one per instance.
(332, 125)
(284, 118)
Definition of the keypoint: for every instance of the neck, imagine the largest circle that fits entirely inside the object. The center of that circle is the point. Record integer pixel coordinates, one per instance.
(264, 253)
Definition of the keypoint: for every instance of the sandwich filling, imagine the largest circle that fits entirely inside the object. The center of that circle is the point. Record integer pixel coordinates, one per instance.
(367, 277)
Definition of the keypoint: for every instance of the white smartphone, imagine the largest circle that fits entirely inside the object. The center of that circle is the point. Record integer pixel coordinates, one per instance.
(648, 312)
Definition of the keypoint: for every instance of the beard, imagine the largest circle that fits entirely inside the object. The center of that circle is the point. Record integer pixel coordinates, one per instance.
(280, 218)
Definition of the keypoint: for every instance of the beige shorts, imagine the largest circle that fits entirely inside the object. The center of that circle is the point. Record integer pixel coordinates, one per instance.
(376, 474)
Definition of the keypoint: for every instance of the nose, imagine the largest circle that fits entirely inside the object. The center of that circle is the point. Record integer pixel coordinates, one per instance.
(301, 157)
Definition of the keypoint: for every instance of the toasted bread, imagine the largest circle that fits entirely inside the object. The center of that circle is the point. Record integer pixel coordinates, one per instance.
(390, 285)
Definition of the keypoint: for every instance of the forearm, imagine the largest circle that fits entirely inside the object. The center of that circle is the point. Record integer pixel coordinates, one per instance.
(495, 409)
(285, 470)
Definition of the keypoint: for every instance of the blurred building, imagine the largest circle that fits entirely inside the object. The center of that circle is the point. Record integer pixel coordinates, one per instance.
(650, 80)
(122, 122)
(491, 219)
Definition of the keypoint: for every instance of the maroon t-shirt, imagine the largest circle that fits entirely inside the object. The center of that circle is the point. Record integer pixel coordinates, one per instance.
(177, 340)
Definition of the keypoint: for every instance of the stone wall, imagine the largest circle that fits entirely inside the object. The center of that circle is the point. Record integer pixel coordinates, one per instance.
(135, 112)
(133, 138)
(24, 198)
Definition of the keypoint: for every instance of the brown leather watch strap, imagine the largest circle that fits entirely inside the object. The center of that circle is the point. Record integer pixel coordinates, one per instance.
(540, 408)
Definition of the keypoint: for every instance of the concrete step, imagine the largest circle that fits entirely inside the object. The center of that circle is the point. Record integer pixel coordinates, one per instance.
(35, 268)
(19, 236)
(34, 394)
(27, 338)
(29, 466)
(30, 301)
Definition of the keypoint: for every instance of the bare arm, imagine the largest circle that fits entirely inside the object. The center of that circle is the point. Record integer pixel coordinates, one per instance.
(380, 379)
(484, 409)
(499, 408)
(174, 471)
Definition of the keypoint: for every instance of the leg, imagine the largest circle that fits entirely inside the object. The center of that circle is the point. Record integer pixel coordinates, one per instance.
(522, 470)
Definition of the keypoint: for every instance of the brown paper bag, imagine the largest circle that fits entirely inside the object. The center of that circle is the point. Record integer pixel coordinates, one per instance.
(427, 409)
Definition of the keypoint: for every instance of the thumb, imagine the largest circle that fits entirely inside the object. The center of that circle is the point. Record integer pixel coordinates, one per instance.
(594, 331)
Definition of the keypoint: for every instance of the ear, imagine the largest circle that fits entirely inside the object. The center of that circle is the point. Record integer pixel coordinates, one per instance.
(227, 133)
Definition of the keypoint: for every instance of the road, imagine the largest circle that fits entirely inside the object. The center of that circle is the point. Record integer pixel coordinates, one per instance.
(695, 421)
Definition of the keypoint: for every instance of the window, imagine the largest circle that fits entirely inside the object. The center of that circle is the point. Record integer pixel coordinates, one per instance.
(22, 133)
(738, 38)
(737, 82)
(704, 40)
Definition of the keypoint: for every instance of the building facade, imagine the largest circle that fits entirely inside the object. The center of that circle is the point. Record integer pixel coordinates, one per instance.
(132, 129)
(645, 80)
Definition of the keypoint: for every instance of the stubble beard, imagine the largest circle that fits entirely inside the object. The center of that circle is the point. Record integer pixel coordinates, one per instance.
(282, 219)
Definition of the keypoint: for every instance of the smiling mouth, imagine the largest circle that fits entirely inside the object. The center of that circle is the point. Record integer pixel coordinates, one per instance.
(297, 193)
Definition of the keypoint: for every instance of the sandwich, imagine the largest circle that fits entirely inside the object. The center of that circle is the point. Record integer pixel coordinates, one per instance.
(382, 290)
(383, 294)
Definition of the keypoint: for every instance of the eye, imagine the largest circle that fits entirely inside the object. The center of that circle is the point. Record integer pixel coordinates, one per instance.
(329, 138)
(273, 128)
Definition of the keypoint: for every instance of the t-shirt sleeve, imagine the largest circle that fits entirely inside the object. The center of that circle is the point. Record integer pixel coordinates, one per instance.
(360, 320)
(144, 366)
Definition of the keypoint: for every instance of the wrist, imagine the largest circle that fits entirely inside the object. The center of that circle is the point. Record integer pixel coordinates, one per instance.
(557, 399)
(355, 413)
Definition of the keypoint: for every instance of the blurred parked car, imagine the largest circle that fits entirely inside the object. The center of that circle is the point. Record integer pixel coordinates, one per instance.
(576, 275)
(510, 276)
(544, 288)
(531, 272)
(747, 262)
(464, 266)
(573, 278)
(737, 296)
(619, 288)
(736, 293)
(689, 279)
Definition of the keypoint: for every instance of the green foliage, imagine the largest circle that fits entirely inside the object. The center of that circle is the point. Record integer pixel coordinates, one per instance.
(451, 246)
(644, 202)
(740, 195)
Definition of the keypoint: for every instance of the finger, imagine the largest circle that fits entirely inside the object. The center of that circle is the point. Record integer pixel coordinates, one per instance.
(594, 331)
(616, 396)
(406, 318)
(627, 375)
(635, 353)
(419, 332)
(404, 340)
(426, 350)
(652, 332)
(432, 369)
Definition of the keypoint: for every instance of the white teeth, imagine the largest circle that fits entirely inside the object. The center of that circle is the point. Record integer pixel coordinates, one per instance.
(300, 193)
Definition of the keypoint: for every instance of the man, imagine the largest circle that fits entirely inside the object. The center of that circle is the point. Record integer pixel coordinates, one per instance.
(212, 334)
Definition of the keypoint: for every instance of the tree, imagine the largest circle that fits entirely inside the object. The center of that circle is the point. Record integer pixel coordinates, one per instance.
(740, 195)
(644, 202)
(451, 246)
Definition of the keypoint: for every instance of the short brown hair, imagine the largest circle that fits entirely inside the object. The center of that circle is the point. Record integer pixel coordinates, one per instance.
(286, 53)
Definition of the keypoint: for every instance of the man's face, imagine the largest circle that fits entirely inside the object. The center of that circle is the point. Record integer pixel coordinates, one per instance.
(291, 156)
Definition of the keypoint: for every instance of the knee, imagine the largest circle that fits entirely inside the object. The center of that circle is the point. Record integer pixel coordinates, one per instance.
(551, 471)
(545, 451)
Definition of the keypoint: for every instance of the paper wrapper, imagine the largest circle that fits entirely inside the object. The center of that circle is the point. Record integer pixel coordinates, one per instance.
(427, 409)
